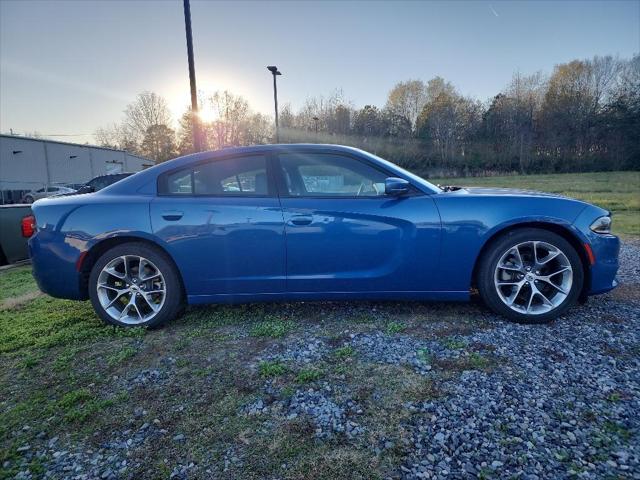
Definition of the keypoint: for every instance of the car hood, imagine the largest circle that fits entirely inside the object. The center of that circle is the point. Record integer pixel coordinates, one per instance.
(493, 191)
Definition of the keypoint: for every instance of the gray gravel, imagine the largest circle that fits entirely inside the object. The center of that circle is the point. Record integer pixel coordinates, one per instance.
(629, 271)
(303, 351)
(331, 409)
(564, 404)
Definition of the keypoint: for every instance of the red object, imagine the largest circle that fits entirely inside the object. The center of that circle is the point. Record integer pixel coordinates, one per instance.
(592, 258)
(80, 260)
(28, 226)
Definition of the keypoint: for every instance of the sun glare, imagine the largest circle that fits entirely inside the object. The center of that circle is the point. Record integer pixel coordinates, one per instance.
(207, 114)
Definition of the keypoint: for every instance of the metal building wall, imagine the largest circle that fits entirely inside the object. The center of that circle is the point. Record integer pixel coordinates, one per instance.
(28, 164)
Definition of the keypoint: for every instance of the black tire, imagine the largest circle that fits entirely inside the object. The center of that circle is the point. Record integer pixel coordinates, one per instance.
(174, 298)
(486, 274)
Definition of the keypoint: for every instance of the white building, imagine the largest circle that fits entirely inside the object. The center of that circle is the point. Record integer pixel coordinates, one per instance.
(30, 163)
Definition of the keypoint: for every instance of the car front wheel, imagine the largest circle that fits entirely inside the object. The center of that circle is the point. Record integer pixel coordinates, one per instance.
(135, 284)
(530, 276)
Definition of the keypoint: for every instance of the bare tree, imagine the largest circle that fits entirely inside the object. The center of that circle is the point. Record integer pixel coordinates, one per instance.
(116, 136)
(149, 109)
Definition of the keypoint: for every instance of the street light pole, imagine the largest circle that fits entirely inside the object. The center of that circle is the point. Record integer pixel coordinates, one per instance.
(275, 72)
(197, 145)
(315, 119)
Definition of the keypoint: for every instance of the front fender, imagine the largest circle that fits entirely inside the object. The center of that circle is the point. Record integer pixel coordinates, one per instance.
(469, 222)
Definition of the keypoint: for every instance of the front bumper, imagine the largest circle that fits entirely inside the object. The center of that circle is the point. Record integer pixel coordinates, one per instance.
(605, 248)
(603, 272)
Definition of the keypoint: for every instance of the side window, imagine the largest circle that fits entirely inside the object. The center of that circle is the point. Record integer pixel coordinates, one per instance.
(99, 183)
(179, 183)
(240, 176)
(319, 174)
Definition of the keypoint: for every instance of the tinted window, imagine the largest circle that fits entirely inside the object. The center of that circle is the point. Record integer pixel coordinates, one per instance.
(313, 174)
(97, 183)
(233, 176)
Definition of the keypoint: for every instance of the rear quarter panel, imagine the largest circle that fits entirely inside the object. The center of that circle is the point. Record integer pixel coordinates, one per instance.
(68, 229)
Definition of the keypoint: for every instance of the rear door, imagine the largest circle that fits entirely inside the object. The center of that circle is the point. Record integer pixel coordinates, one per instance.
(222, 223)
(345, 235)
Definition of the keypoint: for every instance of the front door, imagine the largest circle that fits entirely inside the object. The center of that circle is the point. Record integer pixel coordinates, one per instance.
(221, 221)
(345, 235)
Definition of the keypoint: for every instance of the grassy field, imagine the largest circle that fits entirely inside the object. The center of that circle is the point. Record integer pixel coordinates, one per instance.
(618, 192)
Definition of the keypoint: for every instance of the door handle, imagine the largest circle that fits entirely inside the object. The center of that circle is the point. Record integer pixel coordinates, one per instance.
(301, 220)
(172, 215)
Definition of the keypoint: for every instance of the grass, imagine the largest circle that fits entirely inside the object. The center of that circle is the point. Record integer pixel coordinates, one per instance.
(395, 327)
(16, 284)
(272, 369)
(344, 352)
(272, 328)
(454, 343)
(618, 192)
(308, 375)
(121, 355)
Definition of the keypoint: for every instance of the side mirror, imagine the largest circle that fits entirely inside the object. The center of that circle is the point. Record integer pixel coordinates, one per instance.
(85, 189)
(396, 186)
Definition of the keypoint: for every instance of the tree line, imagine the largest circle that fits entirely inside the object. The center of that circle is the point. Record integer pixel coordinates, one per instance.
(584, 116)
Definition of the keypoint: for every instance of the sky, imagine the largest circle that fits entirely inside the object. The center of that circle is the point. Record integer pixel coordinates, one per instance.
(69, 67)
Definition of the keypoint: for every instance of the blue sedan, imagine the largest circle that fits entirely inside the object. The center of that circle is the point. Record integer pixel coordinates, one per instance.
(315, 222)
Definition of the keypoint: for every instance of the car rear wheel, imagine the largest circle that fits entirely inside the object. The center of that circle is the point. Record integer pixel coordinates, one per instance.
(530, 276)
(134, 285)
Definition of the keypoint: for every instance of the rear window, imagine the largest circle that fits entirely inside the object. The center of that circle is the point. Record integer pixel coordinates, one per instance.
(238, 176)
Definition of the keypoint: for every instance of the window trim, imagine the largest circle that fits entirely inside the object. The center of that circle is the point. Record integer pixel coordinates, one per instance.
(271, 187)
(283, 190)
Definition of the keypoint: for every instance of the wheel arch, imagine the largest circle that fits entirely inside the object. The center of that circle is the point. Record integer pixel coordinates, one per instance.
(96, 251)
(558, 229)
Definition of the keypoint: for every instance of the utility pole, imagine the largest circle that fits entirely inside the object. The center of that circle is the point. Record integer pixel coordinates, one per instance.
(197, 144)
(315, 119)
(275, 72)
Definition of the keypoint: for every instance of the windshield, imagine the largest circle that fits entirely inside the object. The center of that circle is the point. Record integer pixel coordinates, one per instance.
(430, 186)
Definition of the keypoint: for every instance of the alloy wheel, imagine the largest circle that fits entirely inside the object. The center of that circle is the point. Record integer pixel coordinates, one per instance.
(131, 289)
(533, 277)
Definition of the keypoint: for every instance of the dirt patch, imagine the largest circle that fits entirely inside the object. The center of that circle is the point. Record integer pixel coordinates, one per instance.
(627, 292)
(9, 303)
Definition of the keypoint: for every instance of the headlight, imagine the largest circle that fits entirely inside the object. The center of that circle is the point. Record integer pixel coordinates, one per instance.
(601, 225)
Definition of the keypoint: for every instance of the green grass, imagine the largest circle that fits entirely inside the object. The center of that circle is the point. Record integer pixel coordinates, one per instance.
(272, 369)
(618, 192)
(272, 328)
(16, 282)
(395, 327)
(122, 355)
(344, 352)
(308, 375)
(454, 343)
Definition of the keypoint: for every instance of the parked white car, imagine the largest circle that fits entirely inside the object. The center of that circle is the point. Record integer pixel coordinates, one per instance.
(48, 191)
